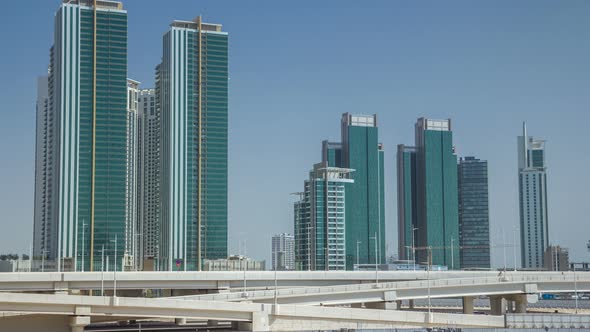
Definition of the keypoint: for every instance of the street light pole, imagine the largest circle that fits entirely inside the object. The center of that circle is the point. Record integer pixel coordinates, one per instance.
(102, 272)
(452, 255)
(576, 288)
(376, 265)
(83, 246)
(504, 247)
(357, 253)
(414, 229)
(428, 277)
(514, 246)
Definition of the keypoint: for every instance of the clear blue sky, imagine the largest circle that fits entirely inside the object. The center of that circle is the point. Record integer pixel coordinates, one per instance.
(296, 66)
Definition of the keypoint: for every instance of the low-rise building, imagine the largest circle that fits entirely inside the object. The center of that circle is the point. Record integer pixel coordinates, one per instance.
(234, 263)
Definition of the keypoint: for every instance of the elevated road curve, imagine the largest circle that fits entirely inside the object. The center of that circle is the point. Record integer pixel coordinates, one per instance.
(60, 281)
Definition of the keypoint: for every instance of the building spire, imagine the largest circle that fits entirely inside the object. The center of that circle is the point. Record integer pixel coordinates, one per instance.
(525, 141)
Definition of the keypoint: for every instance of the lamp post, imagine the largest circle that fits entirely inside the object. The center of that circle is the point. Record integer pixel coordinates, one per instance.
(102, 271)
(575, 289)
(414, 229)
(428, 277)
(452, 255)
(115, 269)
(504, 248)
(514, 246)
(43, 253)
(357, 253)
(83, 246)
(376, 265)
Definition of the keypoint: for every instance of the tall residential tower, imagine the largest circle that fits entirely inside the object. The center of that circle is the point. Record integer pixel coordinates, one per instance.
(532, 188)
(192, 89)
(87, 89)
(283, 252)
(358, 159)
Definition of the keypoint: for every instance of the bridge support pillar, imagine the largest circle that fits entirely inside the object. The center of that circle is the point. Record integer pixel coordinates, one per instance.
(260, 321)
(411, 304)
(78, 323)
(180, 321)
(520, 302)
(497, 305)
(468, 304)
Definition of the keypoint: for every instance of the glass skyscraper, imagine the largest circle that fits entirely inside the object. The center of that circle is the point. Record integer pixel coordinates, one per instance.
(427, 192)
(361, 155)
(192, 89)
(474, 215)
(407, 204)
(361, 151)
(320, 219)
(532, 188)
(148, 178)
(87, 107)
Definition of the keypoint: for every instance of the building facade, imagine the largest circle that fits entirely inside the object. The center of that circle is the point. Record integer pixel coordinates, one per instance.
(320, 220)
(234, 263)
(87, 89)
(192, 89)
(361, 151)
(407, 203)
(44, 232)
(556, 258)
(532, 188)
(148, 177)
(283, 252)
(132, 258)
(474, 214)
(429, 173)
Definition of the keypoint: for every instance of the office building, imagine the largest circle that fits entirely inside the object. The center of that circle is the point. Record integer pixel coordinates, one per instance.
(407, 203)
(428, 195)
(532, 188)
(87, 89)
(556, 258)
(192, 89)
(474, 214)
(283, 252)
(360, 150)
(320, 219)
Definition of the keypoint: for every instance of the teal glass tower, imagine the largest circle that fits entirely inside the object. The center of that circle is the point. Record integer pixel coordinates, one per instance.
(87, 106)
(361, 151)
(192, 91)
(428, 195)
(407, 203)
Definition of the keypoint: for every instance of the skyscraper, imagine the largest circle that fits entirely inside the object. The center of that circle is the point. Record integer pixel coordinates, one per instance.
(474, 215)
(192, 89)
(427, 194)
(44, 234)
(283, 252)
(532, 187)
(87, 90)
(132, 258)
(148, 177)
(361, 151)
(320, 219)
(407, 204)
